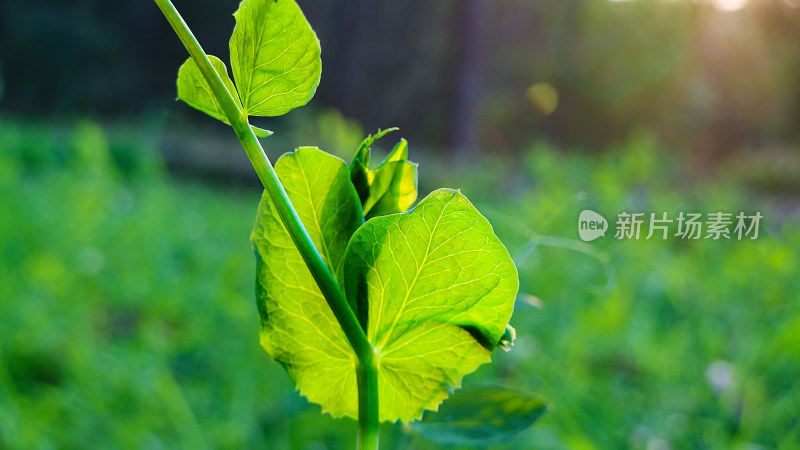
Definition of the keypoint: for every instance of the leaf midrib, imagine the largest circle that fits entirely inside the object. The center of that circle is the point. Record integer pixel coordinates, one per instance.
(326, 253)
(256, 48)
(390, 330)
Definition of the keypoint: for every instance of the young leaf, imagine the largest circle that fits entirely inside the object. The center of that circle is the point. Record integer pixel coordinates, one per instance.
(365, 148)
(392, 186)
(298, 328)
(508, 338)
(436, 289)
(275, 57)
(360, 165)
(481, 416)
(194, 90)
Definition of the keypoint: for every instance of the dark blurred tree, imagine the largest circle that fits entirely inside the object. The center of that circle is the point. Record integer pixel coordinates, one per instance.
(2, 84)
(473, 18)
(452, 73)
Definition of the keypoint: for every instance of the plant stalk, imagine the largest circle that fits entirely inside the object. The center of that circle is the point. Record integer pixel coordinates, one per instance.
(367, 378)
(366, 368)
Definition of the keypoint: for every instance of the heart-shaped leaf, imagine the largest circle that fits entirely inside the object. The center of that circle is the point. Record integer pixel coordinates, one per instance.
(298, 328)
(275, 57)
(435, 289)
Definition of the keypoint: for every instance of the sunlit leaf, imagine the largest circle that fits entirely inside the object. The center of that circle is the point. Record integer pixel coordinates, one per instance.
(298, 328)
(360, 165)
(435, 288)
(195, 91)
(481, 416)
(275, 57)
(392, 186)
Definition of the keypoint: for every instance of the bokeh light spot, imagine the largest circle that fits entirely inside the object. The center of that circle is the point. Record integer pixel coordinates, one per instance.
(544, 97)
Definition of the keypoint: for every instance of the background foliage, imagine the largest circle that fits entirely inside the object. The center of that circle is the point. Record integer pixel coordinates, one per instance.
(129, 320)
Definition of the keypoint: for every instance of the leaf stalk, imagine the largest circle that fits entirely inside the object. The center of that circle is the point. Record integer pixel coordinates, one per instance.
(367, 378)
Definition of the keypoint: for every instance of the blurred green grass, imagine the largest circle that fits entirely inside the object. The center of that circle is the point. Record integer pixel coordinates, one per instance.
(127, 316)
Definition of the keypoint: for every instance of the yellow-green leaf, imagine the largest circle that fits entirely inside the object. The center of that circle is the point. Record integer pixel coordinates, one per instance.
(298, 328)
(435, 288)
(389, 188)
(195, 91)
(260, 132)
(275, 57)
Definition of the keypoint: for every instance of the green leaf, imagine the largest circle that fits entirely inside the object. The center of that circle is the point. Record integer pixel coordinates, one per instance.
(298, 328)
(481, 416)
(195, 91)
(392, 186)
(260, 132)
(435, 288)
(365, 148)
(360, 165)
(275, 57)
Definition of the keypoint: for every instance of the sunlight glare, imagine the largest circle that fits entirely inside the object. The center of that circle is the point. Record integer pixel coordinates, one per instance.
(729, 5)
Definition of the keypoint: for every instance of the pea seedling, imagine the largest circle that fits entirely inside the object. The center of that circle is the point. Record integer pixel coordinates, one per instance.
(375, 310)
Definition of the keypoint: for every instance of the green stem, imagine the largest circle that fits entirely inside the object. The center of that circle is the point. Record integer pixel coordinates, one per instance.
(367, 371)
(367, 376)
